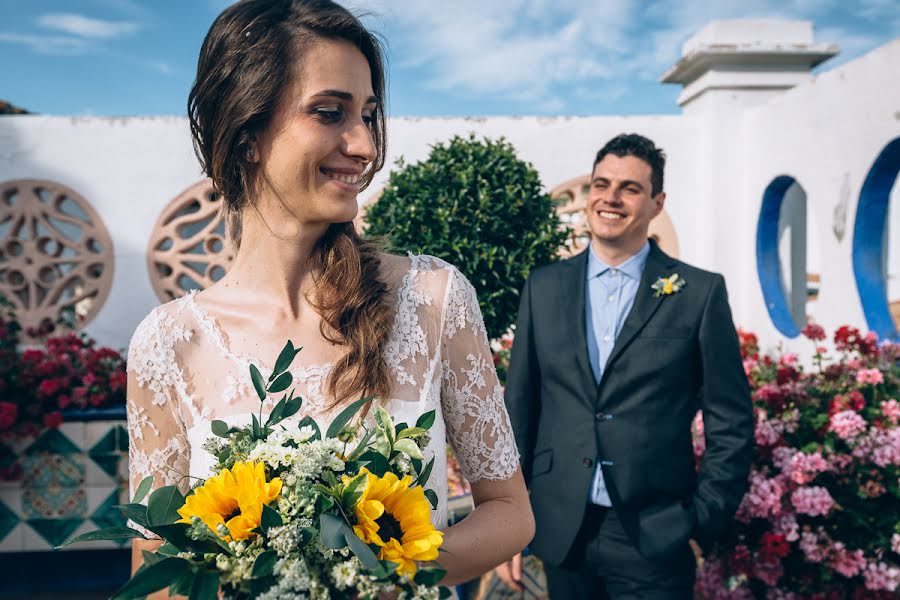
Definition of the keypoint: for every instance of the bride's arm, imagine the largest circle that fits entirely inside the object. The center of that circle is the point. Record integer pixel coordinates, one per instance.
(479, 430)
(500, 527)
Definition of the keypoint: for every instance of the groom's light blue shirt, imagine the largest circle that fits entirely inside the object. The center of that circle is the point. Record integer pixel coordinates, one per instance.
(610, 295)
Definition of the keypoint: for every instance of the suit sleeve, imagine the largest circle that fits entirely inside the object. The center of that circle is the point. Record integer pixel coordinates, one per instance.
(523, 383)
(727, 418)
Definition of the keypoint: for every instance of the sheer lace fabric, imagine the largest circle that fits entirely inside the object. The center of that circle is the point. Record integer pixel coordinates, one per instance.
(187, 375)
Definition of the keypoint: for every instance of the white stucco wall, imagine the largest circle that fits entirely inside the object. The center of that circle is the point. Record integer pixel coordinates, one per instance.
(825, 134)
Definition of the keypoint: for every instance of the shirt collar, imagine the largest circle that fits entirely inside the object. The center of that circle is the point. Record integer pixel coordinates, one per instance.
(633, 267)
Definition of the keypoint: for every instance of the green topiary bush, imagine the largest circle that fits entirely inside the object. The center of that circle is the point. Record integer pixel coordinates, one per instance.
(475, 204)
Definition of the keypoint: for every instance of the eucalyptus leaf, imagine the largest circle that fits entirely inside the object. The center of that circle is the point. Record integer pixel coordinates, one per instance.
(206, 586)
(219, 428)
(332, 531)
(345, 416)
(426, 420)
(264, 564)
(163, 505)
(282, 383)
(134, 512)
(426, 473)
(107, 533)
(143, 488)
(362, 551)
(284, 360)
(258, 382)
(153, 578)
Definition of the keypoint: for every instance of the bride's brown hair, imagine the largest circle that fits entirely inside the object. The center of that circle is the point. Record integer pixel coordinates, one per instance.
(247, 61)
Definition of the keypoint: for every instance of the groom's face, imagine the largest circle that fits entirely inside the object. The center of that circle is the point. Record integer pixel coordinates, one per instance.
(621, 203)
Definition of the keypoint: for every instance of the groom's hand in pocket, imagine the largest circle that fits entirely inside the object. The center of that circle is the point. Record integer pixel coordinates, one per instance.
(510, 573)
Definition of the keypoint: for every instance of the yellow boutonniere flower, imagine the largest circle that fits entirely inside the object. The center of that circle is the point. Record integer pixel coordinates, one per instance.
(666, 286)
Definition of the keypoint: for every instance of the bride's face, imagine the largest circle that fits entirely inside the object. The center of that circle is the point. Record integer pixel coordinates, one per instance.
(320, 141)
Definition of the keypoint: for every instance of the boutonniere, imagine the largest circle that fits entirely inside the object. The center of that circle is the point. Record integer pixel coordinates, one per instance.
(666, 286)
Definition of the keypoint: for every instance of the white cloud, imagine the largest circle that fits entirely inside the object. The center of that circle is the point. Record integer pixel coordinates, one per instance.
(87, 27)
(47, 44)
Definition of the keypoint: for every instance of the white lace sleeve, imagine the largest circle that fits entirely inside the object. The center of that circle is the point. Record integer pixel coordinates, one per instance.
(156, 431)
(478, 425)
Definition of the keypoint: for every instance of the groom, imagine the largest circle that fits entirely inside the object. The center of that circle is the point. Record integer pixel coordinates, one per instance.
(612, 358)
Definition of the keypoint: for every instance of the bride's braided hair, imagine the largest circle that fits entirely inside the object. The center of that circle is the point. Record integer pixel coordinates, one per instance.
(245, 65)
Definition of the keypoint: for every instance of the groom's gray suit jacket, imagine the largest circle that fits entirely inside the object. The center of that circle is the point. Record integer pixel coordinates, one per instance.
(674, 355)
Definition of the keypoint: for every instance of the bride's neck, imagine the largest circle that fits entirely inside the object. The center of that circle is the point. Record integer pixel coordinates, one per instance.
(274, 259)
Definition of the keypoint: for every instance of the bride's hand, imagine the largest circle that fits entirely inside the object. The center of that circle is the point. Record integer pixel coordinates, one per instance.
(510, 573)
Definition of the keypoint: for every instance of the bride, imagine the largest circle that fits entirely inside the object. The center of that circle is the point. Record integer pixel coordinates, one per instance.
(287, 118)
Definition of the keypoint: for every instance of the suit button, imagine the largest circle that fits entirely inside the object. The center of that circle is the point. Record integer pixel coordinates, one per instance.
(600, 417)
(587, 462)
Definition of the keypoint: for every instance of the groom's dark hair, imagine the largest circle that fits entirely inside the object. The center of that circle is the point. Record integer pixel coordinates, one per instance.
(632, 144)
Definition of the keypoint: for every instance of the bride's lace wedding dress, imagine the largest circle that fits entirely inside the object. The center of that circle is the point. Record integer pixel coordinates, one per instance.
(438, 354)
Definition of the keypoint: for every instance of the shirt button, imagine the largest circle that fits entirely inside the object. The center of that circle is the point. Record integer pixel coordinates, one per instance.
(606, 338)
(611, 298)
(600, 417)
(587, 462)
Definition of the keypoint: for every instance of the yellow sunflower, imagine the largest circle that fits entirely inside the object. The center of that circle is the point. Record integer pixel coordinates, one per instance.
(397, 518)
(234, 497)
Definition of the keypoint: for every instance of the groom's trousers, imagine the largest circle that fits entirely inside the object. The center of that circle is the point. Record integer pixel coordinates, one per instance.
(604, 564)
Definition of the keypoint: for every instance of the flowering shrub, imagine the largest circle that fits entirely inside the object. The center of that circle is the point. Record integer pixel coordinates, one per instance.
(37, 384)
(821, 518)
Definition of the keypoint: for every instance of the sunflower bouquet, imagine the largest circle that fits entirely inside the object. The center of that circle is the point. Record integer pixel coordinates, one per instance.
(293, 513)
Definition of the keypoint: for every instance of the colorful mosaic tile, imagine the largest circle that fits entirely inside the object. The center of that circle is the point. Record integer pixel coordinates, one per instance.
(54, 502)
(45, 469)
(53, 441)
(108, 462)
(115, 440)
(107, 515)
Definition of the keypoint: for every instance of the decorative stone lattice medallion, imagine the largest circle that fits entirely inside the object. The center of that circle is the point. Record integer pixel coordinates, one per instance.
(188, 247)
(571, 199)
(55, 253)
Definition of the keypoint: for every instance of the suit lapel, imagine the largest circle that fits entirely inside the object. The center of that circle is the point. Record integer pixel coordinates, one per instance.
(573, 277)
(645, 304)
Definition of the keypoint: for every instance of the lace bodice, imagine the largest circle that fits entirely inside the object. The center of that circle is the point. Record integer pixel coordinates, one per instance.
(184, 374)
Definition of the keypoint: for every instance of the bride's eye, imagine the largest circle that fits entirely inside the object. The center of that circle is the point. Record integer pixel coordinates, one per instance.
(329, 114)
(369, 119)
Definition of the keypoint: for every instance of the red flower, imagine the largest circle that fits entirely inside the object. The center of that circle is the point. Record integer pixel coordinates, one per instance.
(740, 560)
(814, 332)
(773, 546)
(8, 414)
(846, 337)
(50, 387)
(118, 381)
(53, 419)
(63, 401)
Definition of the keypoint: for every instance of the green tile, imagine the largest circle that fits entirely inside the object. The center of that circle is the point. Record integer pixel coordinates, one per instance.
(108, 462)
(107, 515)
(115, 440)
(55, 531)
(53, 442)
(8, 520)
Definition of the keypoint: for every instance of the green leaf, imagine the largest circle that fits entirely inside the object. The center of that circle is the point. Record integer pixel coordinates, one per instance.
(107, 533)
(345, 416)
(220, 428)
(256, 429)
(258, 382)
(163, 505)
(409, 447)
(444, 593)
(275, 416)
(426, 473)
(410, 432)
(153, 578)
(151, 558)
(429, 576)
(426, 420)
(362, 552)
(385, 423)
(291, 407)
(269, 518)
(432, 497)
(362, 446)
(135, 512)
(331, 531)
(167, 549)
(353, 491)
(284, 360)
(377, 463)
(142, 488)
(282, 383)
(264, 564)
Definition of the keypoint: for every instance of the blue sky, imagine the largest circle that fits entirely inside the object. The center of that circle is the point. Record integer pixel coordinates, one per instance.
(465, 57)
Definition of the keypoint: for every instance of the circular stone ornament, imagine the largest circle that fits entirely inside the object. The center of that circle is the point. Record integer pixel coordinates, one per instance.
(188, 248)
(56, 255)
